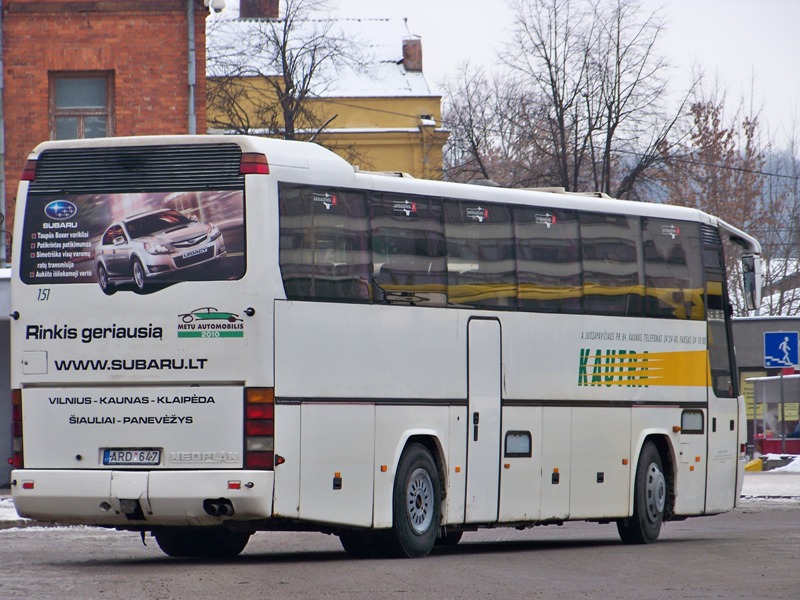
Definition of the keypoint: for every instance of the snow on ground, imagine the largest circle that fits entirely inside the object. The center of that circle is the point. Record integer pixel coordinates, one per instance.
(7, 512)
(792, 467)
(769, 484)
(782, 482)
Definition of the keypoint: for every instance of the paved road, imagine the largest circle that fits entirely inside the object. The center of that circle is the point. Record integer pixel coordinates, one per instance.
(752, 552)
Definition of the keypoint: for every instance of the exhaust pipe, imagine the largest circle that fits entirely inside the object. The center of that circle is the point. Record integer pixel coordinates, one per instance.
(220, 507)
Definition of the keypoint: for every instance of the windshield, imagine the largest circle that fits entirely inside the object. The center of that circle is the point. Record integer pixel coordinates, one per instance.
(152, 223)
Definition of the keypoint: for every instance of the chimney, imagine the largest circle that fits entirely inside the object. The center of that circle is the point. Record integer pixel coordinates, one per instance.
(412, 54)
(259, 9)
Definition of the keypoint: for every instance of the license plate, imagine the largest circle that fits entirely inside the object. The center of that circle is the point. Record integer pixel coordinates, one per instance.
(131, 457)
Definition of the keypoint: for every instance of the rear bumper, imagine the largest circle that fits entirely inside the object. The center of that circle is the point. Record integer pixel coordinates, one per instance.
(164, 497)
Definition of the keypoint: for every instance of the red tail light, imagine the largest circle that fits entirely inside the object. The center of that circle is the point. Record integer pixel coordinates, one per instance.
(29, 170)
(253, 163)
(259, 428)
(16, 429)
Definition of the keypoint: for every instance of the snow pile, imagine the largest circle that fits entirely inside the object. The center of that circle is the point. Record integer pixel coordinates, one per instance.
(7, 511)
(792, 467)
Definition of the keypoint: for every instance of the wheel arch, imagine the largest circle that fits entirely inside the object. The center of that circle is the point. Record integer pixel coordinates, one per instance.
(666, 451)
(434, 445)
(133, 258)
(430, 439)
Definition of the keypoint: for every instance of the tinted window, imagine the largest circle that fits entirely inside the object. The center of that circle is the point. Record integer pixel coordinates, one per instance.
(161, 221)
(719, 355)
(408, 250)
(612, 283)
(427, 251)
(673, 269)
(324, 244)
(480, 255)
(548, 260)
(111, 234)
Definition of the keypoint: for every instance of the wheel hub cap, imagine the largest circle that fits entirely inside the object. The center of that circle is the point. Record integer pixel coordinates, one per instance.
(419, 501)
(655, 492)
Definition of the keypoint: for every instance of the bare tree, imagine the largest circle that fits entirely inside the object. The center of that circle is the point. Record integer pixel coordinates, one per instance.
(581, 103)
(264, 73)
(780, 236)
(632, 122)
(551, 53)
(605, 83)
(471, 120)
(721, 170)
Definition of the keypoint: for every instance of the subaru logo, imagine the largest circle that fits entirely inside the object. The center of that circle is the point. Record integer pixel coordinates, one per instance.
(60, 210)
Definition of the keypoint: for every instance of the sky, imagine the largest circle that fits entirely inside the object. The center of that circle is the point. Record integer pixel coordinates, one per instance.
(739, 42)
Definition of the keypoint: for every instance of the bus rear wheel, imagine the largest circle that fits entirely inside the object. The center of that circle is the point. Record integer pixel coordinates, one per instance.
(416, 504)
(205, 542)
(649, 500)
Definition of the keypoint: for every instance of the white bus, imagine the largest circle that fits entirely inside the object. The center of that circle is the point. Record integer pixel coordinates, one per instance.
(218, 335)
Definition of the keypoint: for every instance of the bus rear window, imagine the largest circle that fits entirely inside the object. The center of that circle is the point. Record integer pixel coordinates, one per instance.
(137, 241)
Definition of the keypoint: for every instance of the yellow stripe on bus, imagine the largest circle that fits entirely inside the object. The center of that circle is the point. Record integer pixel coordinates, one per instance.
(682, 368)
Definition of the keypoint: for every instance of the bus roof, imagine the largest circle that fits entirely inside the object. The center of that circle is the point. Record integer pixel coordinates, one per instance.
(306, 155)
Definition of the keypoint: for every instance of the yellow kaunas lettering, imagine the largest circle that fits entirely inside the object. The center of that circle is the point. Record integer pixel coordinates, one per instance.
(629, 368)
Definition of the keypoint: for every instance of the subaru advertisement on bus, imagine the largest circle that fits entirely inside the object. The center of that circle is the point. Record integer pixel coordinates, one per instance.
(138, 242)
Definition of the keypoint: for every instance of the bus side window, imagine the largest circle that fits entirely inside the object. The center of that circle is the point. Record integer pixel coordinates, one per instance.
(408, 261)
(612, 281)
(481, 270)
(548, 260)
(673, 269)
(324, 244)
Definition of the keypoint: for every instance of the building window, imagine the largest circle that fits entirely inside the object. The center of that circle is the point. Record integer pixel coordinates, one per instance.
(81, 105)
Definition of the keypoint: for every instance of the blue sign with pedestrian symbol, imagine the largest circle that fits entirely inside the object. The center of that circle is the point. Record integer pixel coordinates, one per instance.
(781, 349)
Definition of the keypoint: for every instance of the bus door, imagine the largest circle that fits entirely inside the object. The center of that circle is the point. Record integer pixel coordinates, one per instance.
(484, 380)
(723, 405)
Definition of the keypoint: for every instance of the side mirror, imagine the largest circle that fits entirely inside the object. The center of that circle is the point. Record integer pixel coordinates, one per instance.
(751, 278)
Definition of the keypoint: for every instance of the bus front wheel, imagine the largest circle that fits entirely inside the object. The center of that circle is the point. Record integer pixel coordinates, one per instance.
(649, 500)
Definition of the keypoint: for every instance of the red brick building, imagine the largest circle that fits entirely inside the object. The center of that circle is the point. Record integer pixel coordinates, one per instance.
(88, 68)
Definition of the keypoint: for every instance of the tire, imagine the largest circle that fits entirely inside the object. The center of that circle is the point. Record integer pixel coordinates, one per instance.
(365, 544)
(416, 504)
(139, 276)
(205, 542)
(102, 278)
(449, 539)
(649, 500)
